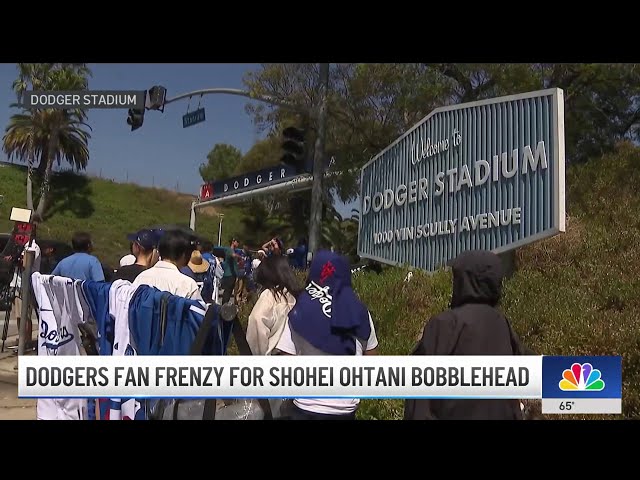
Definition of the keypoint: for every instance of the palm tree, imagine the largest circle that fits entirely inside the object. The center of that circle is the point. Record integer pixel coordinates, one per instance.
(48, 134)
(340, 232)
(260, 226)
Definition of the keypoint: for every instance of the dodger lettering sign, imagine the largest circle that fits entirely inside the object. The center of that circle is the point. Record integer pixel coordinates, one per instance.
(482, 175)
(250, 181)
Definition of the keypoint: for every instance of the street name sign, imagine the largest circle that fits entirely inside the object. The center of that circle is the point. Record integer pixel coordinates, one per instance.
(192, 118)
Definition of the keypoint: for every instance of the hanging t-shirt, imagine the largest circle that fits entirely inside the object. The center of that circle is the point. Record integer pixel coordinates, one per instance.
(120, 296)
(61, 307)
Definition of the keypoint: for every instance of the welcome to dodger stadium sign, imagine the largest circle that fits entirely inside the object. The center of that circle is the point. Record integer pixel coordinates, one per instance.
(482, 175)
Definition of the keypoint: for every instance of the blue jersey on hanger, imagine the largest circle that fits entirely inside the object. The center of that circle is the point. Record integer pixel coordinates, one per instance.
(165, 324)
(97, 296)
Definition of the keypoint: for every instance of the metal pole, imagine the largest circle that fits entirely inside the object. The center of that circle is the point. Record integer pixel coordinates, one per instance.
(235, 91)
(26, 301)
(220, 216)
(318, 164)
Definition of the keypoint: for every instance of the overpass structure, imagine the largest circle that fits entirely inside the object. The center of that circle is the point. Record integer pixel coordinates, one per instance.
(289, 185)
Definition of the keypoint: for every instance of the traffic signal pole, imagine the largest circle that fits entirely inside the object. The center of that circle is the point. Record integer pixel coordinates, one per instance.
(318, 163)
(318, 157)
(235, 91)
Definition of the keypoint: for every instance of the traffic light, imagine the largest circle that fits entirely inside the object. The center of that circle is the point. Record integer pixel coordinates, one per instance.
(136, 116)
(157, 96)
(294, 148)
(135, 119)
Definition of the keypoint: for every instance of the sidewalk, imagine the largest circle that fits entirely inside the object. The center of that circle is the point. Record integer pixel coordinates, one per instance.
(11, 407)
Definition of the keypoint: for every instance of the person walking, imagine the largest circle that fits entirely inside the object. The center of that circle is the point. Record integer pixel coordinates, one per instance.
(211, 282)
(81, 265)
(197, 268)
(243, 271)
(144, 248)
(230, 268)
(175, 249)
(472, 326)
(270, 313)
(327, 319)
(298, 255)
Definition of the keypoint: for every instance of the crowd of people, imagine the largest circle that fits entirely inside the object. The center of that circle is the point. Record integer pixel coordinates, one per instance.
(225, 269)
(323, 316)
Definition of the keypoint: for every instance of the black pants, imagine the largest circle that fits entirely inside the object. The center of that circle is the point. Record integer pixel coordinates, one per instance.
(295, 413)
(227, 284)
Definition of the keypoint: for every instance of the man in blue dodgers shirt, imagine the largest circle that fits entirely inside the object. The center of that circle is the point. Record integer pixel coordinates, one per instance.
(81, 265)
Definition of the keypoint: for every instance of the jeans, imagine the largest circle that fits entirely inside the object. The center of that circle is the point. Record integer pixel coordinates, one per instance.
(227, 284)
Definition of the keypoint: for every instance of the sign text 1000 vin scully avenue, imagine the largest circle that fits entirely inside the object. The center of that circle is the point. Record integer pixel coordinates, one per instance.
(484, 175)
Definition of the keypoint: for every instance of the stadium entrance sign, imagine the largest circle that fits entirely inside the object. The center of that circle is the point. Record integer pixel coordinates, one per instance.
(484, 175)
(251, 181)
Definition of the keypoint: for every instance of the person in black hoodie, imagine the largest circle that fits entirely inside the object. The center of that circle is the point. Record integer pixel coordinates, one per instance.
(472, 326)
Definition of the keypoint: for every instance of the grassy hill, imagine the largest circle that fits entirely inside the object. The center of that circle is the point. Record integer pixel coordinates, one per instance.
(575, 294)
(108, 210)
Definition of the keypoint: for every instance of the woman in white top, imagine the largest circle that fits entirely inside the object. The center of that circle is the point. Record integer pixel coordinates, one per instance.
(269, 316)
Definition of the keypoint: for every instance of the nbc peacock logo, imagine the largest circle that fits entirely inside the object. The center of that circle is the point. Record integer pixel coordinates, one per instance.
(581, 377)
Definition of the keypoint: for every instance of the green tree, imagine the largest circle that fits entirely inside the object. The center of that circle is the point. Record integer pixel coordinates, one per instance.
(370, 105)
(222, 161)
(45, 136)
(261, 224)
(263, 154)
(601, 100)
(269, 215)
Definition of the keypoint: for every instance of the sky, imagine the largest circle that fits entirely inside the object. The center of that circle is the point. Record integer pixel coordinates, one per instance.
(161, 153)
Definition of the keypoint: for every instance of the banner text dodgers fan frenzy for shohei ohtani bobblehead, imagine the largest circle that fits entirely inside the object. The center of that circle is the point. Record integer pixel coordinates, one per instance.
(594, 386)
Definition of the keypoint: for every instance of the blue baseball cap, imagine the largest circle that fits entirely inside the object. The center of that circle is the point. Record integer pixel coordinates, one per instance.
(147, 239)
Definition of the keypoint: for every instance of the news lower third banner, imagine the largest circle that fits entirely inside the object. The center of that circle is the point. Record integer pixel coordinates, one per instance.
(565, 384)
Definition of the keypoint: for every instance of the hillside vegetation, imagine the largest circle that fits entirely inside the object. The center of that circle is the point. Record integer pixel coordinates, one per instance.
(108, 210)
(575, 294)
